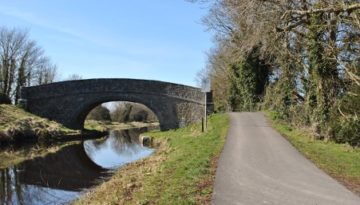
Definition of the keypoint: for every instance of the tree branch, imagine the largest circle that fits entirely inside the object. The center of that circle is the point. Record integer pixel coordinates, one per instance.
(348, 9)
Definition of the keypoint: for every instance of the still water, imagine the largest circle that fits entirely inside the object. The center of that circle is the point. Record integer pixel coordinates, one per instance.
(63, 176)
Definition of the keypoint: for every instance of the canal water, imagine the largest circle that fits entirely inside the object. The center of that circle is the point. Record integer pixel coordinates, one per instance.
(60, 177)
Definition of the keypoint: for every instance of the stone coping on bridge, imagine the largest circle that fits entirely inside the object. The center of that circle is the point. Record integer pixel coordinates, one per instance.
(119, 85)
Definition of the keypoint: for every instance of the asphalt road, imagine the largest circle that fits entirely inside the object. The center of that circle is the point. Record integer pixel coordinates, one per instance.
(258, 166)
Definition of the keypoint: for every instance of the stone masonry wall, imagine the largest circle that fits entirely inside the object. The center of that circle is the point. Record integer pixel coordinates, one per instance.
(69, 102)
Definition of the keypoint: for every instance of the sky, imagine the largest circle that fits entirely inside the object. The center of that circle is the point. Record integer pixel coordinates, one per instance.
(158, 39)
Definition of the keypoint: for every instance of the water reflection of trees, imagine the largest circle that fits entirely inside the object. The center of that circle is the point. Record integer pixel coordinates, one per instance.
(118, 148)
(13, 191)
(9, 186)
(58, 177)
(126, 142)
(53, 179)
(121, 141)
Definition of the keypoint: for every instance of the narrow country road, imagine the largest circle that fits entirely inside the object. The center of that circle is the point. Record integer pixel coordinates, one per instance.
(258, 166)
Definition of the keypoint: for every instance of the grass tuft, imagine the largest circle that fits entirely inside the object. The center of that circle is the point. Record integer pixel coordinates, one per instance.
(18, 125)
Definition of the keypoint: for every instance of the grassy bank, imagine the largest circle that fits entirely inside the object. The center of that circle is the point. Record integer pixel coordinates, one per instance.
(180, 172)
(108, 125)
(19, 125)
(10, 156)
(340, 161)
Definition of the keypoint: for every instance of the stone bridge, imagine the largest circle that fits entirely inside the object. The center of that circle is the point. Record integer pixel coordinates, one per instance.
(69, 102)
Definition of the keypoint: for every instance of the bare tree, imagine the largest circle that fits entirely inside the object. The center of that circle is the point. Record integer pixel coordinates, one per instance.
(74, 77)
(22, 63)
(45, 71)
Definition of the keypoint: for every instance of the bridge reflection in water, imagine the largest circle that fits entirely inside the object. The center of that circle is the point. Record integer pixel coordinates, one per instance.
(62, 176)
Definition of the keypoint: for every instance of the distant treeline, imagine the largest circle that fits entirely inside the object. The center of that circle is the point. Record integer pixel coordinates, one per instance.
(123, 112)
(299, 58)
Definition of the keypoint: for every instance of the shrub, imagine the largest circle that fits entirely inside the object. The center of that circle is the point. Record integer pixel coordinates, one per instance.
(347, 130)
(4, 99)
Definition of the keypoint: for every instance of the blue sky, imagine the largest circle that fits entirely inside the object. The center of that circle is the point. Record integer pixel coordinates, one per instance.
(157, 39)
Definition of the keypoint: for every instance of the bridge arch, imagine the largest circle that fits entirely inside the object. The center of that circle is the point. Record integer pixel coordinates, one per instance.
(166, 119)
(69, 102)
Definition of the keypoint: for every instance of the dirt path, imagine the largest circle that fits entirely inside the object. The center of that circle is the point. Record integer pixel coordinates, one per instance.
(258, 166)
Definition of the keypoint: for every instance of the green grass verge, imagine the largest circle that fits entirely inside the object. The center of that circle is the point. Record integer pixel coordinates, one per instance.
(180, 172)
(341, 161)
